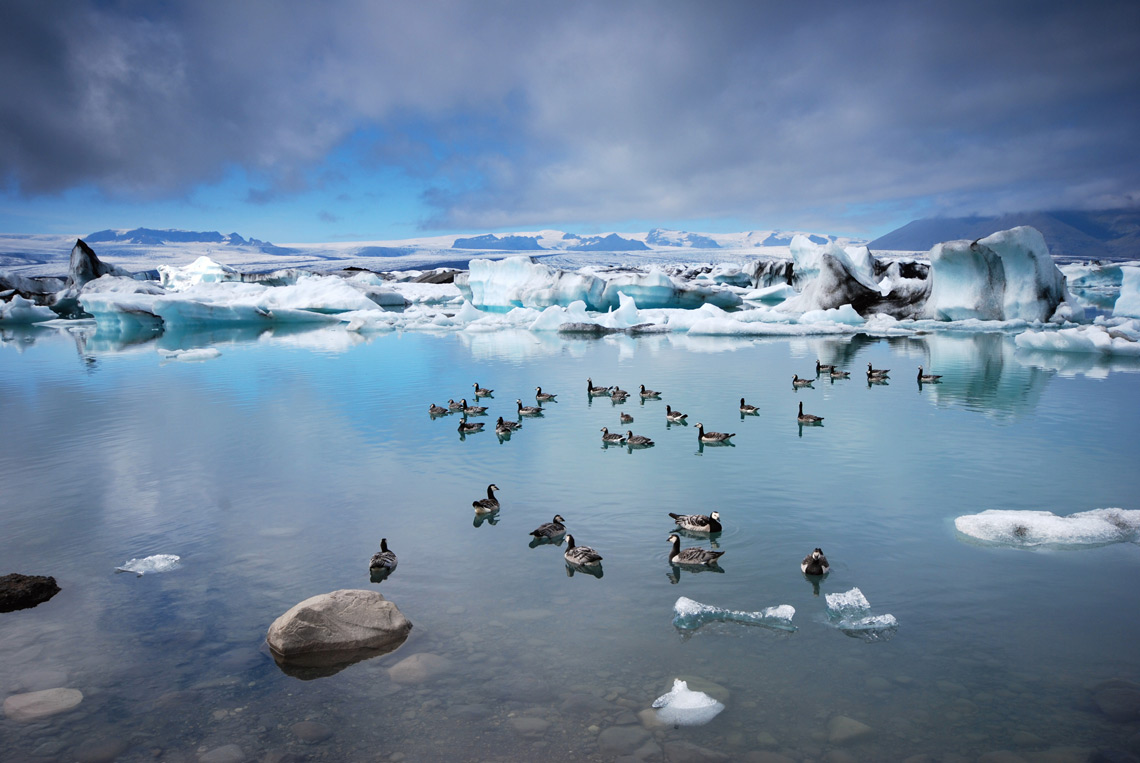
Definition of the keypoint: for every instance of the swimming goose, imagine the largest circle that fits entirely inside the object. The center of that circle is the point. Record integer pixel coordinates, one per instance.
(554, 529)
(746, 408)
(647, 393)
(637, 439)
(814, 563)
(614, 437)
(488, 504)
(837, 374)
(711, 436)
(595, 391)
(880, 372)
(798, 382)
(618, 396)
(437, 410)
(821, 367)
(808, 418)
(932, 378)
(506, 427)
(528, 410)
(580, 556)
(383, 559)
(474, 410)
(469, 426)
(480, 392)
(673, 415)
(698, 523)
(454, 406)
(626, 418)
(540, 395)
(692, 555)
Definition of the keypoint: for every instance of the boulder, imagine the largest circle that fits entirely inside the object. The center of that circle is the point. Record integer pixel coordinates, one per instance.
(341, 621)
(41, 704)
(25, 591)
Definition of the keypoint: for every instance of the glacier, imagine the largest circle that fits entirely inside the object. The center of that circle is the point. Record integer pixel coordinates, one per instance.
(850, 612)
(1032, 529)
(690, 615)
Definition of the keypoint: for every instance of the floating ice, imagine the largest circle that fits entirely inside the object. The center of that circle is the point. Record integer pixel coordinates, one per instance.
(690, 615)
(201, 270)
(20, 310)
(851, 613)
(197, 353)
(684, 707)
(522, 282)
(1128, 303)
(1100, 339)
(1029, 529)
(148, 564)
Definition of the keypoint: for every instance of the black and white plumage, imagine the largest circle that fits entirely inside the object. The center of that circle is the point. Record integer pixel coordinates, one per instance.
(506, 427)
(552, 529)
(626, 418)
(528, 410)
(383, 559)
(807, 418)
(473, 410)
(673, 415)
(698, 523)
(821, 367)
(877, 372)
(488, 504)
(746, 408)
(798, 382)
(480, 392)
(580, 556)
(595, 391)
(437, 410)
(648, 393)
(704, 436)
(930, 378)
(543, 396)
(469, 426)
(692, 555)
(815, 563)
(611, 437)
(636, 439)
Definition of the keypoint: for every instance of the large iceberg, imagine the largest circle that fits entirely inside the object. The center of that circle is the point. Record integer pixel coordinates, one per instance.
(690, 615)
(1028, 529)
(1128, 303)
(851, 613)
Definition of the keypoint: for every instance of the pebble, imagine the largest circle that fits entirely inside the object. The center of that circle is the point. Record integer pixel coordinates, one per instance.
(687, 752)
(311, 732)
(529, 727)
(101, 751)
(229, 753)
(620, 740)
(41, 704)
(841, 730)
(767, 756)
(418, 668)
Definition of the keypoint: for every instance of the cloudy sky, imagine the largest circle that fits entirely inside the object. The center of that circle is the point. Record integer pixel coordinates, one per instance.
(306, 122)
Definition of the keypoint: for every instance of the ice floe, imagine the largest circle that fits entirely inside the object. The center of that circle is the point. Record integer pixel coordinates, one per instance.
(1029, 529)
(19, 310)
(149, 564)
(197, 353)
(690, 615)
(684, 707)
(850, 612)
(1118, 339)
(1128, 303)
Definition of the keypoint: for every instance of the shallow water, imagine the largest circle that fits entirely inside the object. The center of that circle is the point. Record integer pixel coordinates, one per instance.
(274, 469)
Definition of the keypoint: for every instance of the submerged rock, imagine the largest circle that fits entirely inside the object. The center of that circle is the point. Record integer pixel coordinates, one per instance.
(339, 621)
(25, 591)
(41, 704)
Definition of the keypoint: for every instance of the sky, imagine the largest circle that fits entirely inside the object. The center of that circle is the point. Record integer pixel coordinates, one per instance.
(358, 120)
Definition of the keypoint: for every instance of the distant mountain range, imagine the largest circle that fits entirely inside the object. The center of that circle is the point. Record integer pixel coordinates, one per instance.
(153, 237)
(1104, 234)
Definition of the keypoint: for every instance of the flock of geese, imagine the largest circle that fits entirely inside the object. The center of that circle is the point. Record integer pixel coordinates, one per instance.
(585, 558)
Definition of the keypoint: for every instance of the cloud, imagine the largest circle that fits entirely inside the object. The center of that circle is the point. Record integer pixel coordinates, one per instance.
(515, 114)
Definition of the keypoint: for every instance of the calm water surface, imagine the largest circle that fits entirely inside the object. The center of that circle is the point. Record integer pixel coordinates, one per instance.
(274, 469)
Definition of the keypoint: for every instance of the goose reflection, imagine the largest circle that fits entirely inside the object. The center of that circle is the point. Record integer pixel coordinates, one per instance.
(379, 574)
(594, 571)
(480, 519)
(674, 573)
(712, 538)
(701, 445)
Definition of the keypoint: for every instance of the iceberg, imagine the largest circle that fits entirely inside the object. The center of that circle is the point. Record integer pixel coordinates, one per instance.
(1123, 339)
(1032, 529)
(690, 615)
(23, 311)
(149, 564)
(522, 282)
(684, 707)
(851, 613)
(201, 270)
(197, 353)
(1128, 303)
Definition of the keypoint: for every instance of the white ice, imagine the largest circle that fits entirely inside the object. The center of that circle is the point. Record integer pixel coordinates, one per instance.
(1121, 339)
(18, 310)
(149, 564)
(684, 707)
(851, 613)
(690, 615)
(1128, 303)
(1098, 527)
(194, 354)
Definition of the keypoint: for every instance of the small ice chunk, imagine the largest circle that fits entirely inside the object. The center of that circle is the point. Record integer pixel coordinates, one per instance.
(851, 613)
(1098, 527)
(684, 707)
(690, 615)
(155, 563)
(197, 353)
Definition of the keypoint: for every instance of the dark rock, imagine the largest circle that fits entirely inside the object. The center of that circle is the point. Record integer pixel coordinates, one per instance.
(25, 591)
(85, 266)
(1120, 703)
(446, 276)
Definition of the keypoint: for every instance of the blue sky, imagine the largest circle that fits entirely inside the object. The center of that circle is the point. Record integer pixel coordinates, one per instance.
(307, 122)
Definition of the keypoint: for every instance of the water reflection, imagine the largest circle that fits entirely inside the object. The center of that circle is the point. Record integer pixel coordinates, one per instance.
(593, 570)
(675, 571)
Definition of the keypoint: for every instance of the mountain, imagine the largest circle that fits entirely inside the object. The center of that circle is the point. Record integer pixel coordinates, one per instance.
(510, 243)
(663, 237)
(154, 237)
(1112, 234)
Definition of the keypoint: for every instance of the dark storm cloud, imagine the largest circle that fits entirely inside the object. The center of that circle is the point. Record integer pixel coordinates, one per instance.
(527, 113)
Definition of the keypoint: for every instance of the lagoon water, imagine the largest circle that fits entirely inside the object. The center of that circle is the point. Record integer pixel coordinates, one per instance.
(274, 469)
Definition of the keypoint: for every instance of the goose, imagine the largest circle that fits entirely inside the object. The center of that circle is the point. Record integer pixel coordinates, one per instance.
(506, 427)
(488, 504)
(704, 436)
(673, 415)
(692, 555)
(618, 396)
(580, 556)
(595, 391)
(821, 367)
(647, 393)
(626, 418)
(544, 396)
(607, 436)
(474, 410)
(480, 392)
(383, 559)
(454, 406)
(637, 439)
(528, 410)
(746, 408)
(837, 374)
(808, 418)
(469, 426)
(877, 371)
(814, 563)
(437, 410)
(698, 523)
(552, 529)
(798, 382)
(932, 378)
